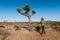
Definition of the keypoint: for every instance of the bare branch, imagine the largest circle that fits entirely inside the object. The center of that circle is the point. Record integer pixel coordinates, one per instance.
(24, 14)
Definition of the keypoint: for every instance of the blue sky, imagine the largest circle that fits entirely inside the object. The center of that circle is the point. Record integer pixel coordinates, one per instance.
(49, 9)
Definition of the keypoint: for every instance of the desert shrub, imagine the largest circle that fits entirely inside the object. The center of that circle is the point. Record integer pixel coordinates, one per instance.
(2, 26)
(37, 28)
(57, 28)
(53, 24)
(38, 23)
(17, 27)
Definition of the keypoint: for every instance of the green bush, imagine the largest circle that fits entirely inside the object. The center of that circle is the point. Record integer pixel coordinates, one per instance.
(37, 28)
(17, 27)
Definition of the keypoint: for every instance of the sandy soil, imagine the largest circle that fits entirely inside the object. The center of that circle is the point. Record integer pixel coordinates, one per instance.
(24, 34)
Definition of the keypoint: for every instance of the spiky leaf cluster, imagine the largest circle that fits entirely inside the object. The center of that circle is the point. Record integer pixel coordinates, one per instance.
(18, 9)
(33, 11)
(27, 8)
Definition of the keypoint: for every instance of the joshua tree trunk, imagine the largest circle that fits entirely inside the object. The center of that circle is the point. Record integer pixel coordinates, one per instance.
(29, 22)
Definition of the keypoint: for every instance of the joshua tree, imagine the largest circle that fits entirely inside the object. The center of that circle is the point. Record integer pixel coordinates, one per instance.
(26, 8)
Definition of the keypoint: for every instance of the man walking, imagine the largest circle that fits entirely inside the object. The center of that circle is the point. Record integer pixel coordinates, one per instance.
(43, 25)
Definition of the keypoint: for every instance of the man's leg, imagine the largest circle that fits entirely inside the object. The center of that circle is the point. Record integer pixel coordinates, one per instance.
(44, 31)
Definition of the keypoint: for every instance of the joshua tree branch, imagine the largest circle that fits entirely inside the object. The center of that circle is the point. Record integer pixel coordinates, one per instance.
(24, 14)
(32, 14)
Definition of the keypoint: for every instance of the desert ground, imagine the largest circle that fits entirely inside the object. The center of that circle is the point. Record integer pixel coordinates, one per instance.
(9, 32)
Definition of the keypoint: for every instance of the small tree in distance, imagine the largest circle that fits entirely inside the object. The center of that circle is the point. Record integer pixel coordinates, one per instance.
(26, 8)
